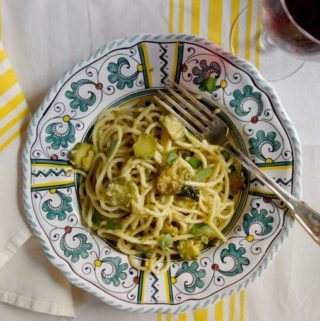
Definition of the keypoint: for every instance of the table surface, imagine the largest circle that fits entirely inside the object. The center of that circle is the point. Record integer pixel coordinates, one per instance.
(289, 289)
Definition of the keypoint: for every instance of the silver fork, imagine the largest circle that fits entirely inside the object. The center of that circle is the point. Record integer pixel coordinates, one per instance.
(206, 125)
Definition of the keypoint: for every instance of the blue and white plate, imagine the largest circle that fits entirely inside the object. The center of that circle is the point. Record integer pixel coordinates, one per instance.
(134, 67)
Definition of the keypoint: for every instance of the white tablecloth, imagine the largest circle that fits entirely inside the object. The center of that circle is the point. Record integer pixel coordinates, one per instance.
(44, 38)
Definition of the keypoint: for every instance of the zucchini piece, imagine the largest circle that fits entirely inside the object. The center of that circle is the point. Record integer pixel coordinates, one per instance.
(172, 157)
(82, 156)
(202, 229)
(120, 191)
(173, 126)
(145, 147)
(190, 249)
(165, 241)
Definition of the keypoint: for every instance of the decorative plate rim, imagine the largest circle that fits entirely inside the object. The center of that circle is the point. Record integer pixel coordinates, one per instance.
(262, 83)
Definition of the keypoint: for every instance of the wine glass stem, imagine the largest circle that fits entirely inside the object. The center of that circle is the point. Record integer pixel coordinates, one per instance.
(266, 42)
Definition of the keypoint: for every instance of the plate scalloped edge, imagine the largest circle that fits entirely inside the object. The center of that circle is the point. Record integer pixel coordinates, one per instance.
(246, 66)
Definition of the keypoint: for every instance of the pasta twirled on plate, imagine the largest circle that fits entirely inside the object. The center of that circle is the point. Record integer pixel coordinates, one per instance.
(149, 186)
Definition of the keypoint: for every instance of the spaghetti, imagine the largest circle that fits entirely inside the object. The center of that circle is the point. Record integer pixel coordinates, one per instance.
(150, 187)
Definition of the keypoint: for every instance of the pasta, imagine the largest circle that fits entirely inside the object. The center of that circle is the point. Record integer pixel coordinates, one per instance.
(150, 187)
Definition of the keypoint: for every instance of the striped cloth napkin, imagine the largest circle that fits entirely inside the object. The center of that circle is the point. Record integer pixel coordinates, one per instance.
(14, 119)
(211, 19)
(19, 252)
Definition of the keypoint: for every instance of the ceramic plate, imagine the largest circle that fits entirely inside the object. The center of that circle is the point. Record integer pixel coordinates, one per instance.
(126, 69)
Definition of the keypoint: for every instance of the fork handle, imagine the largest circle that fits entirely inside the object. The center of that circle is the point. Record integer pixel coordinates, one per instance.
(305, 215)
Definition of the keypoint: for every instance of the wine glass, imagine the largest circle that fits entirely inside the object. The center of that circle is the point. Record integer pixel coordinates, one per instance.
(290, 35)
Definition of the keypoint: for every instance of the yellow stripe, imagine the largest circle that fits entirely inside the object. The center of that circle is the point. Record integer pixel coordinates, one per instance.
(169, 317)
(52, 184)
(248, 30)
(235, 11)
(215, 16)
(171, 15)
(242, 304)
(143, 286)
(219, 311)
(258, 41)
(159, 317)
(182, 317)
(195, 17)
(14, 121)
(3, 55)
(175, 60)
(166, 282)
(167, 285)
(272, 168)
(7, 80)
(201, 315)
(51, 165)
(261, 192)
(11, 105)
(146, 59)
(14, 136)
(232, 307)
(181, 16)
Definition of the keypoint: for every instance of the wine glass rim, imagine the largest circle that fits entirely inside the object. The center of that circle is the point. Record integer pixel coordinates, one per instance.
(303, 31)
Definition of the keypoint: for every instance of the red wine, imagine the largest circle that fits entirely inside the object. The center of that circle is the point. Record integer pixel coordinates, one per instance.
(289, 24)
(306, 13)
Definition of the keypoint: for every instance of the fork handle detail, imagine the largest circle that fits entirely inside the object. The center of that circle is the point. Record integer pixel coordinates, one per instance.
(304, 214)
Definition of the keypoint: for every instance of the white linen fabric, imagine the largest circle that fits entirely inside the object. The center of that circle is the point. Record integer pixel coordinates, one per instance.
(28, 280)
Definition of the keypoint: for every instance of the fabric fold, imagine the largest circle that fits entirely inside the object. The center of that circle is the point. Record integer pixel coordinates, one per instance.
(28, 280)
(14, 119)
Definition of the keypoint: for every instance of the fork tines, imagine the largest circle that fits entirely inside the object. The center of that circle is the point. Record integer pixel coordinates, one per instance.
(209, 112)
(191, 112)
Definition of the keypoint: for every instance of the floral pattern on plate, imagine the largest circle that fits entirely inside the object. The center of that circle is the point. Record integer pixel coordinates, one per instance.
(124, 70)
